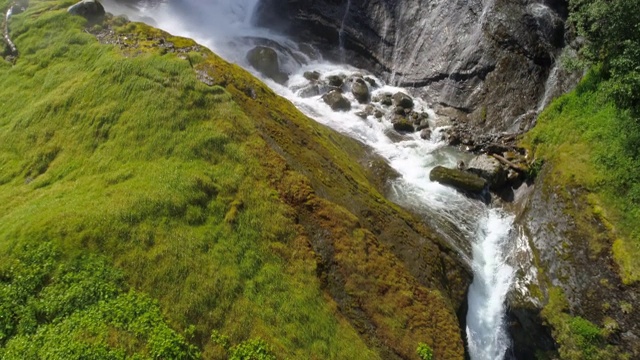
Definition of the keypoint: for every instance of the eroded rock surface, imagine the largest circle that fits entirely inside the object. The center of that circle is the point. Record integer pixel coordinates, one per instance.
(489, 59)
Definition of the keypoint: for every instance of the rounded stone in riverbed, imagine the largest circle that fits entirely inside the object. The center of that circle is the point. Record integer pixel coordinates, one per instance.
(403, 100)
(336, 101)
(265, 60)
(360, 91)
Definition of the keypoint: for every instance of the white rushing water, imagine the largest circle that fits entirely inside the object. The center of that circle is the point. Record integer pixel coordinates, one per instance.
(469, 225)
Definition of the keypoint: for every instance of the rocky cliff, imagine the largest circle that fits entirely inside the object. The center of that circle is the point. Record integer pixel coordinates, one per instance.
(490, 60)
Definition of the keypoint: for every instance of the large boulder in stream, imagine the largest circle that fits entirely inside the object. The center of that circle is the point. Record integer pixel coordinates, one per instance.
(265, 60)
(90, 9)
(458, 179)
(337, 101)
(403, 100)
(360, 91)
(490, 169)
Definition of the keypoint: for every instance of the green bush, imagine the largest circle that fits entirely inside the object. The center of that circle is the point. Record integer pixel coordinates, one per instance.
(424, 352)
(612, 31)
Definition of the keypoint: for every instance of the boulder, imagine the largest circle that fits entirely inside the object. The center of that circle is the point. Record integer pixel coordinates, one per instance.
(309, 91)
(402, 124)
(403, 100)
(265, 60)
(311, 75)
(489, 169)
(335, 80)
(378, 114)
(458, 179)
(336, 101)
(360, 91)
(384, 99)
(89, 9)
(422, 124)
(372, 82)
(425, 134)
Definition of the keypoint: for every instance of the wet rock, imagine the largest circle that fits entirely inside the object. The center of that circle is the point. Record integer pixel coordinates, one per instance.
(309, 91)
(311, 75)
(362, 114)
(360, 91)
(265, 60)
(89, 9)
(458, 179)
(490, 169)
(337, 101)
(372, 82)
(385, 99)
(399, 110)
(423, 124)
(336, 80)
(425, 134)
(378, 114)
(498, 63)
(402, 124)
(403, 100)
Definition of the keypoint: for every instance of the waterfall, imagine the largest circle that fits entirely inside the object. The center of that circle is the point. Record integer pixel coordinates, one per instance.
(480, 233)
(341, 32)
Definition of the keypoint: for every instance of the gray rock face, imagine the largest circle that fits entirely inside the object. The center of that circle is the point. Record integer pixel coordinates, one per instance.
(563, 256)
(337, 102)
(468, 54)
(90, 9)
(458, 179)
(265, 60)
(490, 169)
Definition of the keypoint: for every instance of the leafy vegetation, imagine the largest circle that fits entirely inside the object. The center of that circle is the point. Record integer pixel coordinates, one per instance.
(424, 352)
(589, 141)
(612, 31)
(578, 338)
(140, 209)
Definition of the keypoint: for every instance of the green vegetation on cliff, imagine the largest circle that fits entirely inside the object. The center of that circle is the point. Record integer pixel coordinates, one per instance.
(589, 140)
(151, 196)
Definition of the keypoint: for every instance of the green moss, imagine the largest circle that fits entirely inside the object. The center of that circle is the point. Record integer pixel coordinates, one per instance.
(577, 337)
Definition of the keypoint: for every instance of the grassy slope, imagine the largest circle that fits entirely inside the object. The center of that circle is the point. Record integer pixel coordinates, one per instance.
(590, 149)
(200, 197)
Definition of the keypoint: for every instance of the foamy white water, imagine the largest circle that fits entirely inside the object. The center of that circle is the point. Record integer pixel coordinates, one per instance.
(480, 234)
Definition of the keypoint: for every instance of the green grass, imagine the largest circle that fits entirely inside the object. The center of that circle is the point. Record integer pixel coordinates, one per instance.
(161, 209)
(594, 146)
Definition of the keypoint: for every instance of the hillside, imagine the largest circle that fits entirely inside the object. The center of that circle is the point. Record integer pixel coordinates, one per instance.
(159, 202)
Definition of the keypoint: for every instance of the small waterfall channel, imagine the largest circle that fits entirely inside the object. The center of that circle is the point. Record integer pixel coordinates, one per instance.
(482, 234)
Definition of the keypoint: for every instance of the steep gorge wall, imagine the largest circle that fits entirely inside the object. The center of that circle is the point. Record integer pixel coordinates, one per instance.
(488, 59)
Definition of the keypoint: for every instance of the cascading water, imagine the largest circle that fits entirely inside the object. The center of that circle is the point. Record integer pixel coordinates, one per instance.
(469, 225)
(341, 32)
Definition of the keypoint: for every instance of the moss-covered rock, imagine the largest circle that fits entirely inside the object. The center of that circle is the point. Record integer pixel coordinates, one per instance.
(265, 60)
(458, 179)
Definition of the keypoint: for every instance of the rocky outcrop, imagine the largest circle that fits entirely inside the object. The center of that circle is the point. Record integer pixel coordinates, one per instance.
(488, 59)
(564, 231)
(458, 179)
